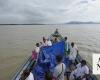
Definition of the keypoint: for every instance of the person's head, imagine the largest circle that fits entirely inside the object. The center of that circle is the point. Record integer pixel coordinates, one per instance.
(44, 39)
(37, 45)
(31, 68)
(72, 44)
(58, 59)
(25, 74)
(56, 40)
(83, 63)
(56, 29)
(65, 38)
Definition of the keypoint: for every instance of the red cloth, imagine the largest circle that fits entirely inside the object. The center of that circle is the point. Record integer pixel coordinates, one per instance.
(34, 55)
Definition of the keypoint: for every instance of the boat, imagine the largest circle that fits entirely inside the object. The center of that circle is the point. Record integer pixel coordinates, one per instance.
(30, 62)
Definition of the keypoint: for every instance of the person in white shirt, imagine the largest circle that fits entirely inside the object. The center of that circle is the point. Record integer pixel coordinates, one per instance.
(37, 48)
(30, 77)
(73, 52)
(49, 43)
(44, 42)
(27, 75)
(81, 72)
(60, 68)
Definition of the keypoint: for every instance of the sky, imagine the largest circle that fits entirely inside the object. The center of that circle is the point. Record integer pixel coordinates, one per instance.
(48, 11)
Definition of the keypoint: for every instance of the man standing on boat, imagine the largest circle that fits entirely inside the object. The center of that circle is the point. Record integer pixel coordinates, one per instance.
(36, 51)
(73, 52)
(67, 48)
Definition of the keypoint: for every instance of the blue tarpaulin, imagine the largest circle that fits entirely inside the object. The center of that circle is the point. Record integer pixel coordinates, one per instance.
(46, 60)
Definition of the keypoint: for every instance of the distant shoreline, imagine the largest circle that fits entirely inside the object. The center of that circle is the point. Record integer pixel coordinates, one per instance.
(22, 24)
(49, 24)
(72, 22)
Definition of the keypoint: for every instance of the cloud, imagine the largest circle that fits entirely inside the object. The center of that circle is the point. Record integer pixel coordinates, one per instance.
(48, 11)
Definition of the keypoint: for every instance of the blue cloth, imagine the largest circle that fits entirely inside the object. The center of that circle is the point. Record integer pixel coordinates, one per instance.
(46, 61)
(38, 72)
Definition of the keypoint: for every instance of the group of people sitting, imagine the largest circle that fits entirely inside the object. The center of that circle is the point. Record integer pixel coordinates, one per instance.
(45, 42)
(80, 72)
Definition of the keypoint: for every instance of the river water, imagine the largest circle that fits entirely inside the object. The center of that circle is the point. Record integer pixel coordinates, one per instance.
(17, 42)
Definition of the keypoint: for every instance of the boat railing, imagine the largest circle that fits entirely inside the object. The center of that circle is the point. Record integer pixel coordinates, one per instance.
(25, 65)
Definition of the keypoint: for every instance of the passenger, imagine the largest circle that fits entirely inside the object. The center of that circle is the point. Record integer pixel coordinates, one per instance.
(73, 52)
(81, 72)
(57, 32)
(49, 43)
(56, 40)
(36, 52)
(27, 75)
(59, 70)
(41, 44)
(44, 39)
(44, 42)
(37, 48)
(67, 50)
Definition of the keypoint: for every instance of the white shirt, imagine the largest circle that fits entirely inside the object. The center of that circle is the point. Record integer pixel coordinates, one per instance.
(73, 52)
(37, 49)
(49, 43)
(84, 70)
(58, 70)
(80, 71)
(30, 77)
(45, 43)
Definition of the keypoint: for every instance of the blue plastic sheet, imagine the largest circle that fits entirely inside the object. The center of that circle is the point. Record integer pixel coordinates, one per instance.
(46, 60)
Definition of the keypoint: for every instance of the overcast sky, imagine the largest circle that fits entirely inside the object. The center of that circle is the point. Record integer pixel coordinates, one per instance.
(48, 11)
